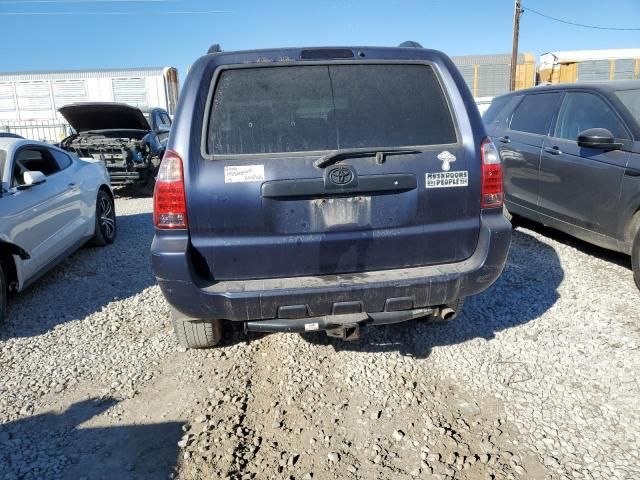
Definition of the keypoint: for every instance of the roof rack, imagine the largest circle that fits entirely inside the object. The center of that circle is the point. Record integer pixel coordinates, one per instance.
(215, 48)
(410, 44)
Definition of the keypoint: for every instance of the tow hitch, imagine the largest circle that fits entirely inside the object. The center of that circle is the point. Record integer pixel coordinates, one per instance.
(346, 327)
(347, 332)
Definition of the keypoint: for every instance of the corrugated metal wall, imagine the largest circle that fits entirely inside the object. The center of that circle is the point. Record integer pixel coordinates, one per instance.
(624, 69)
(492, 80)
(37, 95)
(488, 75)
(132, 91)
(81, 74)
(592, 70)
(467, 74)
(69, 91)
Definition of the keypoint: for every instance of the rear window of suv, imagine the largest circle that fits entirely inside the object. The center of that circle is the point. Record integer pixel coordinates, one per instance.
(327, 107)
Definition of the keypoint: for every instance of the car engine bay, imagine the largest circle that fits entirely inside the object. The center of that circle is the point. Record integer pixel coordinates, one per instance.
(129, 159)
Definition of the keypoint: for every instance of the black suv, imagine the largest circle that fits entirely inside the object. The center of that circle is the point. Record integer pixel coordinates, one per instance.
(571, 158)
(325, 189)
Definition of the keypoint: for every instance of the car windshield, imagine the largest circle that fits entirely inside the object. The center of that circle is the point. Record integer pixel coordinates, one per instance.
(327, 107)
(631, 100)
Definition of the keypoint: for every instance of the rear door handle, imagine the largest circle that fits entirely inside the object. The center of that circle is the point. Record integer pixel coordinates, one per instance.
(553, 151)
(504, 139)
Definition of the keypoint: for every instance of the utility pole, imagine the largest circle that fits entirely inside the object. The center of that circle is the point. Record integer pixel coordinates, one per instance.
(514, 50)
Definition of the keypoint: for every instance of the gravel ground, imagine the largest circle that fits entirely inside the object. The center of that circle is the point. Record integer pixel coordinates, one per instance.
(537, 379)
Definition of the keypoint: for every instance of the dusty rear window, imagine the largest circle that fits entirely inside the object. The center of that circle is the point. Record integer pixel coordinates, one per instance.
(327, 107)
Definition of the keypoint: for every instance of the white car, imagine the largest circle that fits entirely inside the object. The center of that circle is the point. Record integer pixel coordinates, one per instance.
(51, 203)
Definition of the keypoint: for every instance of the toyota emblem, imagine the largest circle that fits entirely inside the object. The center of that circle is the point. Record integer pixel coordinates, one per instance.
(341, 175)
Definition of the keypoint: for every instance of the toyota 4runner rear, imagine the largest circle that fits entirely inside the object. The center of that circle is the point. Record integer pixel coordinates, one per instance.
(325, 189)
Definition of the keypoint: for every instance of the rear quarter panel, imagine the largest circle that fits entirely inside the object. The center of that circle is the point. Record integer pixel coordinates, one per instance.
(629, 210)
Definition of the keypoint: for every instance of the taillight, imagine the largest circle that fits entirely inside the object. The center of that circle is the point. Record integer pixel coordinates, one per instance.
(169, 205)
(492, 193)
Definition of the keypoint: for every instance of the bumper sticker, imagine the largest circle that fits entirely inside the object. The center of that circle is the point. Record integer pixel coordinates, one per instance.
(243, 173)
(458, 178)
(311, 326)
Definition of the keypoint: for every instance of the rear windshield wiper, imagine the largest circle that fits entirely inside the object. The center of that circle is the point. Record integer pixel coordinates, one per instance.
(336, 155)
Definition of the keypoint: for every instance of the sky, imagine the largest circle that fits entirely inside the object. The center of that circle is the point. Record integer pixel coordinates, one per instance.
(82, 34)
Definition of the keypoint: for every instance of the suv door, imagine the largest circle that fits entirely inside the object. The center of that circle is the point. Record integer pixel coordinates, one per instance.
(520, 148)
(580, 185)
(42, 211)
(259, 206)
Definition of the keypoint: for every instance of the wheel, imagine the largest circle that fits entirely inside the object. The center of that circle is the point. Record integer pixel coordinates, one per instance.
(3, 295)
(635, 259)
(105, 232)
(192, 333)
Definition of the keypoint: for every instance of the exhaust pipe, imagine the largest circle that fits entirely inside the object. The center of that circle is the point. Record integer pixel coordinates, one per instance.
(446, 314)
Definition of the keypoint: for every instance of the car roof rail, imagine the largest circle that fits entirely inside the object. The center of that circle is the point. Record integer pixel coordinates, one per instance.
(410, 44)
(215, 48)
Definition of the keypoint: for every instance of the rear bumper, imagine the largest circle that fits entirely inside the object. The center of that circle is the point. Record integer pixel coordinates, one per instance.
(299, 297)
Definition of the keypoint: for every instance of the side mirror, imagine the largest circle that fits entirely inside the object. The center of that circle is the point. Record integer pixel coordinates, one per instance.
(598, 138)
(163, 128)
(31, 179)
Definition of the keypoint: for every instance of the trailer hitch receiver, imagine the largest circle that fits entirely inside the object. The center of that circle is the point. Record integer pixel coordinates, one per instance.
(347, 332)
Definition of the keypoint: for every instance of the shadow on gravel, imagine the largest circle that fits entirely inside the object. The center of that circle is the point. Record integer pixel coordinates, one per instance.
(587, 248)
(85, 282)
(135, 191)
(53, 445)
(526, 289)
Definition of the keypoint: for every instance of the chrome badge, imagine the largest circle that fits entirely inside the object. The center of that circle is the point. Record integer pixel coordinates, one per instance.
(446, 158)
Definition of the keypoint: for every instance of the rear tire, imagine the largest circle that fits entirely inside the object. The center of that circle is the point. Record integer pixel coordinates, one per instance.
(635, 259)
(105, 232)
(3, 295)
(192, 333)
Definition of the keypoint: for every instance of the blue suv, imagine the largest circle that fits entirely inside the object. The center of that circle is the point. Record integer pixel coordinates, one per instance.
(325, 189)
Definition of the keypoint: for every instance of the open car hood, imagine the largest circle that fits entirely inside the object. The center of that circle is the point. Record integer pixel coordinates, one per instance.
(104, 116)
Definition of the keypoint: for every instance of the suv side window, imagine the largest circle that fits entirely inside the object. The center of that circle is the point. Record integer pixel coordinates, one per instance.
(33, 160)
(581, 111)
(534, 113)
(499, 109)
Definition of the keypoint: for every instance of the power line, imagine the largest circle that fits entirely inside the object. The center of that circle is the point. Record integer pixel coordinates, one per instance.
(183, 12)
(27, 2)
(597, 27)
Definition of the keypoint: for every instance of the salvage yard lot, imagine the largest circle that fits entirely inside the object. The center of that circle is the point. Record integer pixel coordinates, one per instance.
(538, 378)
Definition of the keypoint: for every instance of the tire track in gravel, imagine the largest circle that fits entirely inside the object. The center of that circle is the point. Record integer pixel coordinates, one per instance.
(295, 409)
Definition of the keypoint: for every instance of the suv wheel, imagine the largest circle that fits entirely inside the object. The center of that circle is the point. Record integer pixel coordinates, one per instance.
(105, 232)
(3, 295)
(192, 333)
(635, 259)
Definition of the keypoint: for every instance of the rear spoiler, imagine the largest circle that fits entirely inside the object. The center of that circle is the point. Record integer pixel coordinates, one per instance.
(215, 48)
